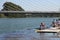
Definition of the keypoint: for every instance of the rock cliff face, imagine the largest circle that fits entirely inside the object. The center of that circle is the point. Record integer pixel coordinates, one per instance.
(8, 6)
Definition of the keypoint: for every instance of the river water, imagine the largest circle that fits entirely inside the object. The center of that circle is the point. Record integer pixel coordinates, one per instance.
(24, 29)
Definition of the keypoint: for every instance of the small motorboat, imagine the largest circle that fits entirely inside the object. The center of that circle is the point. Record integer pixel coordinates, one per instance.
(49, 30)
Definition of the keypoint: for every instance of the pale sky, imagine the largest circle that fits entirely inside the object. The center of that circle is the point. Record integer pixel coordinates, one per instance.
(35, 5)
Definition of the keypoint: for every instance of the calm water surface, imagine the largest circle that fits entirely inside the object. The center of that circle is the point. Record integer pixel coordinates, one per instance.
(24, 29)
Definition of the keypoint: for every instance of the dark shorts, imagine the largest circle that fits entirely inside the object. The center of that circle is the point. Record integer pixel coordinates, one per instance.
(54, 26)
(58, 24)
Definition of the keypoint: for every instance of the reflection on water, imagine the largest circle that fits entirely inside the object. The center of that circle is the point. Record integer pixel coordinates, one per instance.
(29, 34)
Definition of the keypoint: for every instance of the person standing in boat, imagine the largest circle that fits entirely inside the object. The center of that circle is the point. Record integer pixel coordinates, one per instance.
(42, 25)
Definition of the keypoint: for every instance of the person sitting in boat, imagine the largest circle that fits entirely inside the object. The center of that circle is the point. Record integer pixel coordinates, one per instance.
(58, 22)
(54, 24)
(42, 25)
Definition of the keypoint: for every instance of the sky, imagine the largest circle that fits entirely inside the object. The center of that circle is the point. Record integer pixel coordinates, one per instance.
(35, 5)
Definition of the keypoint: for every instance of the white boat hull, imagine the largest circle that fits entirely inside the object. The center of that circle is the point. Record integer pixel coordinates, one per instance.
(50, 30)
